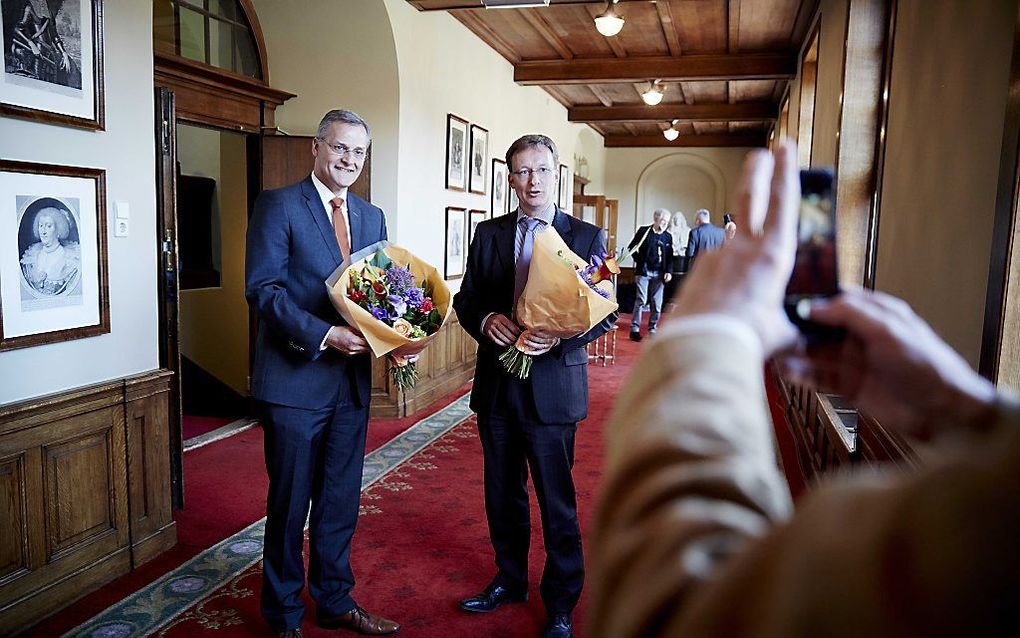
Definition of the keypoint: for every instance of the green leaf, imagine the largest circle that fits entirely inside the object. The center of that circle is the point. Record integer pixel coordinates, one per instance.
(380, 260)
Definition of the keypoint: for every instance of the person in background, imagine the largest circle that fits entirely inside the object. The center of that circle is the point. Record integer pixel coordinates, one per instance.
(680, 232)
(729, 226)
(696, 535)
(652, 248)
(705, 237)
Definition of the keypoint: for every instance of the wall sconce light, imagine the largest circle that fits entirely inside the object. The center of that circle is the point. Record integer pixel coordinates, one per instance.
(671, 133)
(653, 94)
(609, 22)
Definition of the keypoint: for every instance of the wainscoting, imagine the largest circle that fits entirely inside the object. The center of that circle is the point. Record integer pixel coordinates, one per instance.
(84, 492)
(830, 433)
(447, 364)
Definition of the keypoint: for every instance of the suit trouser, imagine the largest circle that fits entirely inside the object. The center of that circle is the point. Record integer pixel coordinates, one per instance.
(312, 456)
(648, 287)
(511, 442)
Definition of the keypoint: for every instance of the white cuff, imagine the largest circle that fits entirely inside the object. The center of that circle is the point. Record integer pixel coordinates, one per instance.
(481, 328)
(323, 346)
(713, 323)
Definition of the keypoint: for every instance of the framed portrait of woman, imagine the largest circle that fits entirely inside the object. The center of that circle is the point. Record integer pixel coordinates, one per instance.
(479, 160)
(475, 217)
(52, 61)
(456, 240)
(499, 187)
(456, 153)
(53, 254)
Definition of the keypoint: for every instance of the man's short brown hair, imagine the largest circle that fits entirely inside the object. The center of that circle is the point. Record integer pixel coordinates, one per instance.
(532, 141)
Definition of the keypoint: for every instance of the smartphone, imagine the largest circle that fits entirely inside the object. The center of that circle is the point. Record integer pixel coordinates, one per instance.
(814, 271)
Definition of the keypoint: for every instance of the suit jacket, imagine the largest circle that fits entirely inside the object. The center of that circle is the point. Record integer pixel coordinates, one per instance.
(693, 540)
(705, 238)
(291, 250)
(559, 378)
(642, 253)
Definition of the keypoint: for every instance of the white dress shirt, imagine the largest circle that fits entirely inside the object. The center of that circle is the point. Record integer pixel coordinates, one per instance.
(326, 196)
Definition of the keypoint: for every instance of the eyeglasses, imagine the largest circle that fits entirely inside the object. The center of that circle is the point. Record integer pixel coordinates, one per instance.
(342, 149)
(525, 173)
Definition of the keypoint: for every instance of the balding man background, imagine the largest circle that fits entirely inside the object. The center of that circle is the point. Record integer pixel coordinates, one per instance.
(705, 237)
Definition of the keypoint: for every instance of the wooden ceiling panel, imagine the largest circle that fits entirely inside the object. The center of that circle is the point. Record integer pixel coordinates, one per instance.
(700, 25)
(765, 26)
(751, 90)
(700, 92)
(725, 64)
(642, 33)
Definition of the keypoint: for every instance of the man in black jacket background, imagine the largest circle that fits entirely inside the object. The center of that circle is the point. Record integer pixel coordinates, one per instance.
(652, 248)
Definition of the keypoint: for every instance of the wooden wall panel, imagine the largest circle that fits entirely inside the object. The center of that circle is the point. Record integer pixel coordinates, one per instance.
(65, 500)
(13, 518)
(447, 364)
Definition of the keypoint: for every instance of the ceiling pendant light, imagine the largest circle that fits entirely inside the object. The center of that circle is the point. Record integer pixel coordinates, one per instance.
(653, 94)
(671, 133)
(609, 22)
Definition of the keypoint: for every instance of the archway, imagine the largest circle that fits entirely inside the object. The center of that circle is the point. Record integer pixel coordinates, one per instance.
(681, 181)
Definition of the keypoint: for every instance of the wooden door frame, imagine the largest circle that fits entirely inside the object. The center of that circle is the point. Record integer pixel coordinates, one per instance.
(998, 322)
(168, 285)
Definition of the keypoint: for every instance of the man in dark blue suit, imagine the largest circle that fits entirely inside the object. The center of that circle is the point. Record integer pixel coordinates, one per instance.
(530, 422)
(311, 380)
(705, 237)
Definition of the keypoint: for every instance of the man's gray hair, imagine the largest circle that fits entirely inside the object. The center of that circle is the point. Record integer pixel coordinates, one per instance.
(344, 116)
(532, 141)
(704, 215)
(661, 212)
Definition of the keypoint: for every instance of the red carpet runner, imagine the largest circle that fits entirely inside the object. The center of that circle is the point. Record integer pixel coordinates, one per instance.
(422, 540)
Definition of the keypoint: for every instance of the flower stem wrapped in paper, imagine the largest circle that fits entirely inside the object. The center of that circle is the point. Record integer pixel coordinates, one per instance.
(565, 296)
(397, 301)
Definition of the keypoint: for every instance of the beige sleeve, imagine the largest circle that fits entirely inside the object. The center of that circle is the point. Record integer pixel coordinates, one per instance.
(692, 538)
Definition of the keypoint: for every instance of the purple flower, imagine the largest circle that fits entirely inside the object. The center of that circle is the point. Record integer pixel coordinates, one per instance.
(377, 312)
(414, 297)
(399, 306)
(399, 279)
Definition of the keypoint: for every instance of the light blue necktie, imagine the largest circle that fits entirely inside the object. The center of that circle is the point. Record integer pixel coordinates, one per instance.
(525, 243)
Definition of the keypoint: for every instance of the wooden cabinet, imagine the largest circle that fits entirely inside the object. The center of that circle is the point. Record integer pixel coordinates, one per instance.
(84, 492)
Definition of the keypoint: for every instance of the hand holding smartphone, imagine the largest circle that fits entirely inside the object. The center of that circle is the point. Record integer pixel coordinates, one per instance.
(814, 271)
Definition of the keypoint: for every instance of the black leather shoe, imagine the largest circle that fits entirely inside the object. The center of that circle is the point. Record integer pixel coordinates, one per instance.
(491, 598)
(636, 336)
(559, 626)
(290, 633)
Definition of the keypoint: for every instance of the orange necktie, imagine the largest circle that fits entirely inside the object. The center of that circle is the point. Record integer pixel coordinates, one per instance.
(340, 227)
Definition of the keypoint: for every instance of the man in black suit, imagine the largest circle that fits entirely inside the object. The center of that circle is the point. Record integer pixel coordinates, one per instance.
(311, 380)
(705, 237)
(528, 422)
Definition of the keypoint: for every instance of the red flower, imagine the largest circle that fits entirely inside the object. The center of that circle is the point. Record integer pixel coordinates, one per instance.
(426, 305)
(357, 296)
(379, 288)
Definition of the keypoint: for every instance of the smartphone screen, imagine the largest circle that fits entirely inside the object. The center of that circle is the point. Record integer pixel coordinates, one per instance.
(814, 272)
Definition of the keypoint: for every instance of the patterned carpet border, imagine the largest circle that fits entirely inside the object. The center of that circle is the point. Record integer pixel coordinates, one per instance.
(156, 604)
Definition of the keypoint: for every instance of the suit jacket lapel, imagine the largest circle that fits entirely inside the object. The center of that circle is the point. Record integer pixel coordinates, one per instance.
(354, 220)
(505, 239)
(562, 226)
(318, 213)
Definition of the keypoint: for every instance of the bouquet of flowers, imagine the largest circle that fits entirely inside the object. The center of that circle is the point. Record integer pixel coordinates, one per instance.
(566, 296)
(395, 300)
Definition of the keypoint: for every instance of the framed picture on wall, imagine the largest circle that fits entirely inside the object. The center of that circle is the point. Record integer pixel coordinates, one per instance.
(456, 152)
(479, 159)
(52, 61)
(53, 272)
(513, 202)
(499, 187)
(566, 187)
(456, 240)
(475, 217)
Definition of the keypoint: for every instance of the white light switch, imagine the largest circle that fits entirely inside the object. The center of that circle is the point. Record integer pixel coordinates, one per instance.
(121, 229)
(123, 210)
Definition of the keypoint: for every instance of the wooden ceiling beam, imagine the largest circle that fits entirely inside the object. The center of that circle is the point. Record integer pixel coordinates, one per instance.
(746, 66)
(686, 141)
(668, 27)
(601, 94)
(461, 5)
(742, 112)
(544, 29)
(487, 34)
